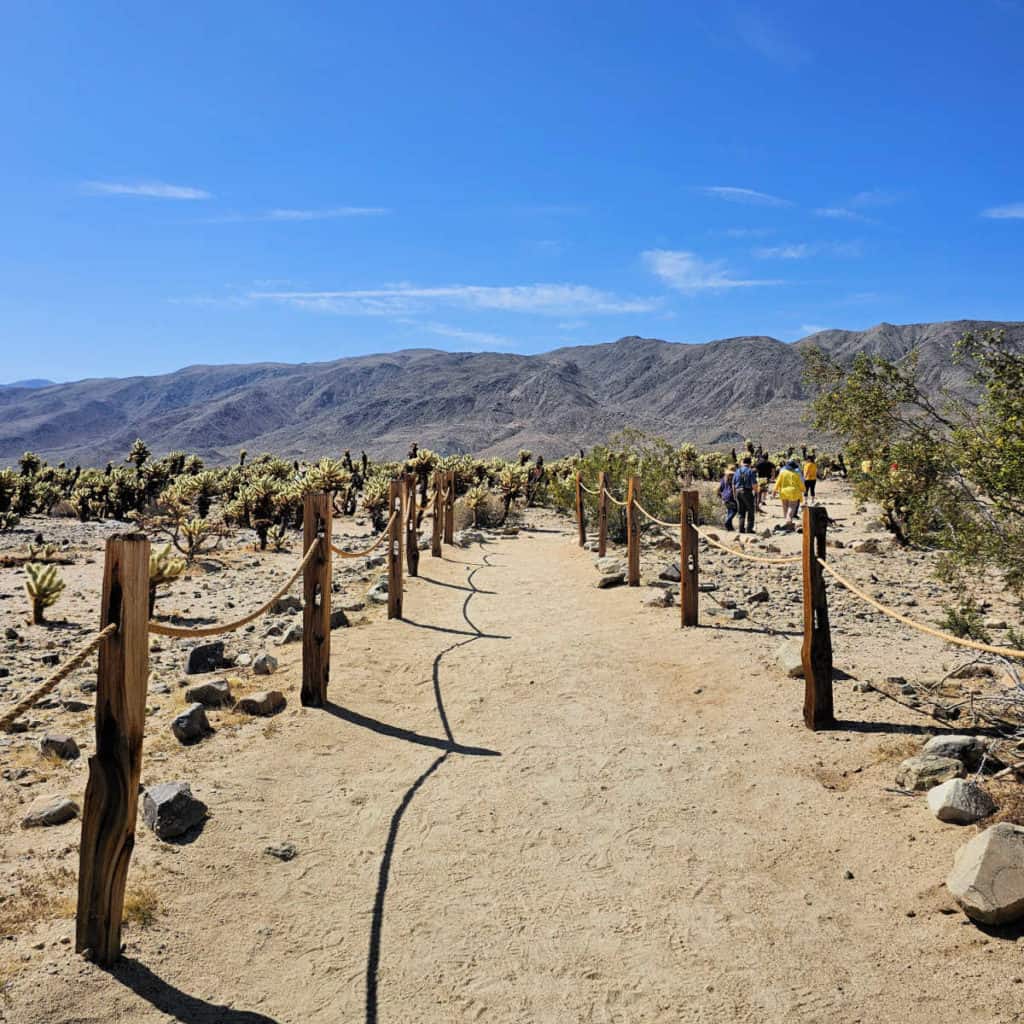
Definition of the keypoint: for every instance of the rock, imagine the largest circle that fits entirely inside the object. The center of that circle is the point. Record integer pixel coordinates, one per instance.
(213, 693)
(69, 701)
(288, 603)
(610, 580)
(862, 687)
(205, 658)
(968, 749)
(10, 633)
(609, 565)
(996, 624)
(265, 665)
(243, 660)
(670, 573)
(57, 745)
(973, 671)
(738, 613)
(49, 810)
(338, 618)
(292, 635)
(50, 658)
(591, 545)
(464, 538)
(987, 879)
(922, 772)
(171, 810)
(790, 659)
(283, 851)
(378, 593)
(869, 546)
(760, 597)
(191, 725)
(658, 597)
(266, 702)
(707, 588)
(960, 802)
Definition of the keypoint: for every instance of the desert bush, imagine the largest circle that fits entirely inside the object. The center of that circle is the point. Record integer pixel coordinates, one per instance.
(43, 586)
(163, 569)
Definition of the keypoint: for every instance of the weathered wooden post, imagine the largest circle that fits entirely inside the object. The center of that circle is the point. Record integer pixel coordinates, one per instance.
(816, 652)
(632, 536)
(394, 542)
(581, 523)
(438, 523)
(449, 508)
(689, 565)
(412, 536)
(112, 792)
(317, 513)
(602, 514)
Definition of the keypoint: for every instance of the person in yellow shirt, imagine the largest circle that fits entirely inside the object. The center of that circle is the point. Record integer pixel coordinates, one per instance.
(790, 488)
(810, 478)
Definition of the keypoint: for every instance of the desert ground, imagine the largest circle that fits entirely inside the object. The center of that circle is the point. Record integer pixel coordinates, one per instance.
(532, 800)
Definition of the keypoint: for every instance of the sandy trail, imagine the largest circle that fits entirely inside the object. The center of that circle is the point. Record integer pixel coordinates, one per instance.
(535, 801)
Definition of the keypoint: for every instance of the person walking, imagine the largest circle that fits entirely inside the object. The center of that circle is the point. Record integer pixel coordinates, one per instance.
(726, 493)
(790, 489)
(744, 486)
(764, 468)
(810, 478)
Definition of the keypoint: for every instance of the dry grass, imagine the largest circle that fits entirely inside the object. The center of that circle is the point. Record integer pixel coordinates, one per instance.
(43, 895)
(141, 906)
(897, 748)
(1009, 797)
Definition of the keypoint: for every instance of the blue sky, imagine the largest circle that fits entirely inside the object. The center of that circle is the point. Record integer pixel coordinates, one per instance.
(196, 183)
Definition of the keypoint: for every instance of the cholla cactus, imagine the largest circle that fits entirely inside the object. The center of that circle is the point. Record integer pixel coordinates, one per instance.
(42, 552)
(476, 499)
(163, 567)
(327, 475)
(8, 521)
(43, 586)
(278, 537)
(375, 499)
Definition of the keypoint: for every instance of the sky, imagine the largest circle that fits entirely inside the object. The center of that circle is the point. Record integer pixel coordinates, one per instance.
(213, 183)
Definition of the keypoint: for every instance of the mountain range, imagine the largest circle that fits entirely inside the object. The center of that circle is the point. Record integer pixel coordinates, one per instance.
(715, 393)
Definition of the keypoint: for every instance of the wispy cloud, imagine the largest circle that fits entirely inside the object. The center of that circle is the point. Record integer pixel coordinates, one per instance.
(474, 339)
(767, 39)
(874, 197)
(784, 252)
(545, 299)
(747, 232)
(147, 189)
(687, 273)
(744, 195)
(1012, 211)
(842, 213)
(804, 250)
(336, 211)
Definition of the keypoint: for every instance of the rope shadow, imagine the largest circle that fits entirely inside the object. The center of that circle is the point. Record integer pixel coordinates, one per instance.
(452, 586)
(457, 632)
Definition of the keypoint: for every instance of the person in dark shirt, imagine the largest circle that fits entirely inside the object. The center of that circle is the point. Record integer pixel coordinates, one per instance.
(744, 486)
(765, 470)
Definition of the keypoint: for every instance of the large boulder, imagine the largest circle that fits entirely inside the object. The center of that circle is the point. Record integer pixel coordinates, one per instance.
(49, 810)
(969, 749)
(609, 565)
(924, 771)
(191, 725)
(58, 745)
(790, 659)
(205, 658)
(960, 802)
(987, 879)
(171, 810)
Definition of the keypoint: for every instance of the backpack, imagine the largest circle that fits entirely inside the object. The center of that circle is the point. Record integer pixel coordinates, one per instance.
(745, 479)
(725, 490)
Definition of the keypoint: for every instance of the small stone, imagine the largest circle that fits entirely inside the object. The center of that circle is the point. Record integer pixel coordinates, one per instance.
(987, 879)
(10, 633)
(50, 658)
(760, 597)
(205, 658)
(288, 603)
(292, 635)
(862, 687)
(191, 725)
(670, 573)
(378, 593)
(213, 694)
(49, 810)
(996, 624)
(908, 690)
(790, 659)
(171, 810)
(243, 660)
(266, 702)
(70, 701)
(738, 613)
(848, 874)
(610, 580)
(338, 618)
(283, 851)
(264, 665)
(58, 745)
(609, 565)
(922, 772)
(960, 802)
(658, 597)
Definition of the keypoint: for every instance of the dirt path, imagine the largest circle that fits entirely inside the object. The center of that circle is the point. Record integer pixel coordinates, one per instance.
(535, 801)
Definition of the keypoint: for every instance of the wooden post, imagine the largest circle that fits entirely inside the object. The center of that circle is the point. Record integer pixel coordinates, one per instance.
(394, 542)
(581, 523)
(602, 515)
(112, 793)
(689, 565)
(449, 508)
(816, 652)
(317, 512)
(412, 535)
(632, 536)
(438, 524)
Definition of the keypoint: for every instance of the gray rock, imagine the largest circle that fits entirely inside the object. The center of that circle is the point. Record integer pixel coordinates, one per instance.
(266, 702)
(205, 658)
(968, 749)
(670, 573)
(707, 588)
(213, 693)
(374, 561)
(70, 701)
(609, 565)
(738, 613)
(171, 810)
(658, 597)
(265, 664)
(282, 851)
(10, 633)
(464, 538)
(987, 879)
(924, 771)
(378, 593)
(790, 659)
(760, 597)
(862, 687)
(870, 546)
(338, 618)
(960, 802)
(49, 810)
(288, 603)
(58, 745)
(610, 580)
(243, 660)
(191, 725)
(292, 635)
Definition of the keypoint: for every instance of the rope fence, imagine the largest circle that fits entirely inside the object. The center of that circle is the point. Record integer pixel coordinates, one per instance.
(341, 553)
(794, 560)
(655, 519)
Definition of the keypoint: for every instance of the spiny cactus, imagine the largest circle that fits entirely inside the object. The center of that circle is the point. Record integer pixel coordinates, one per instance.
(139, 455)
(163, 567)
(278, 537)
(41, 552)
(8, 521)
(475, 499)
(43, 586)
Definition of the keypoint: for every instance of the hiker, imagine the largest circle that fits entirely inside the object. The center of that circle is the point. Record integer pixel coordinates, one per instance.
(810, 478)
(841, 466)
(790, 489)
(765, 469)
(744, 486)
(726, 493)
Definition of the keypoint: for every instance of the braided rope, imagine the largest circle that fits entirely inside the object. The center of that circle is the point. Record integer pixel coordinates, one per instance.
(373, 547)
(742, 554)
(59, 676)
(584, 487)
(1006, 652)
(611, 497)
(230, 627)
(654, 519)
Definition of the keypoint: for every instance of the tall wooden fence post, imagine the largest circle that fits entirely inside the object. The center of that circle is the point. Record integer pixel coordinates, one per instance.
(816, 652)
(112, 793)
(449, 508)
(689, 565)
(317, 514)
(602, 514)
(581, 523)
(394, 542)
(412, 536)
(438, 523)
(632, 536)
